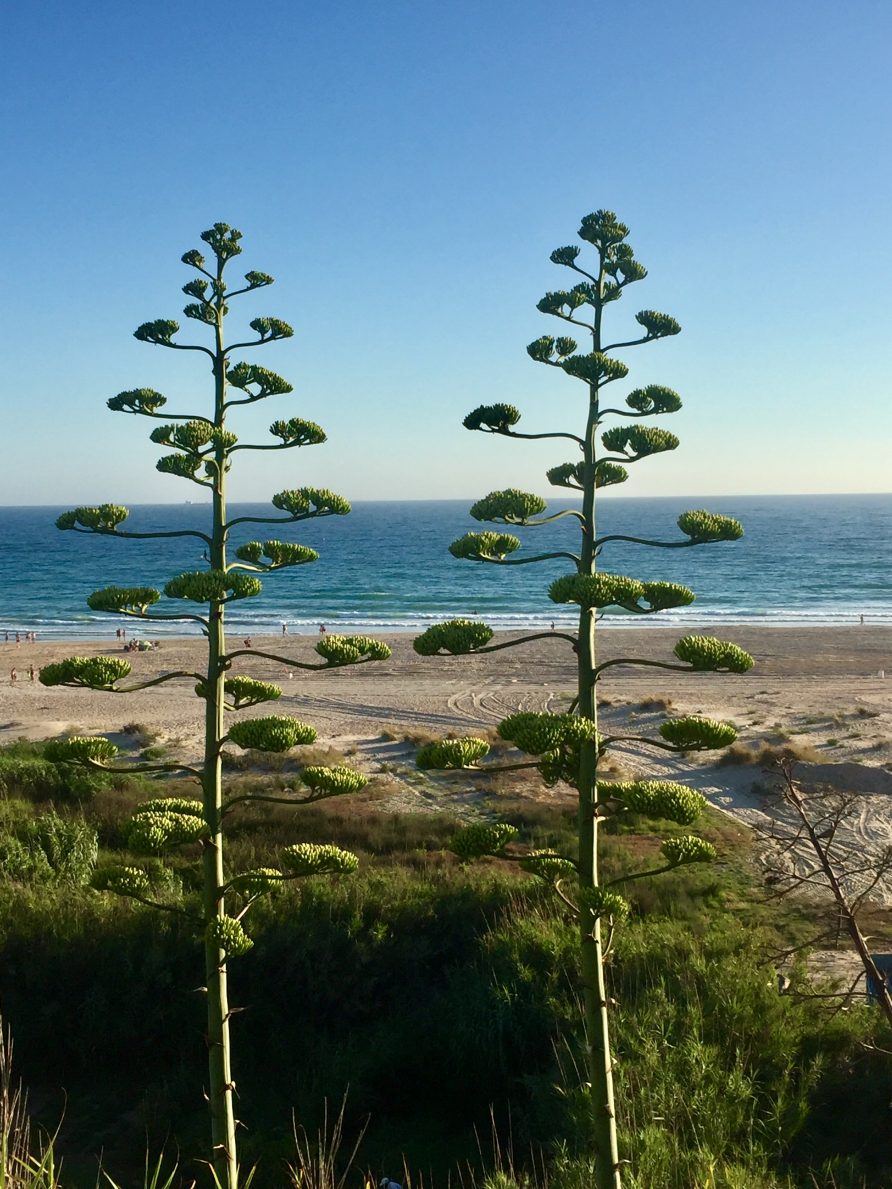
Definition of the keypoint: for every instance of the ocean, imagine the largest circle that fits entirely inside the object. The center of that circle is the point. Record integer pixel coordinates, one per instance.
(804, 560)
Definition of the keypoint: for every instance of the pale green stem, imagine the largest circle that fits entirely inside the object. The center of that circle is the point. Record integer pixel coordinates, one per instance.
(221, 1086)
(600, 1061)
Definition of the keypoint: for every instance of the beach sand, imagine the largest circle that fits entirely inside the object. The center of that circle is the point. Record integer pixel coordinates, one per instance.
(816, 689)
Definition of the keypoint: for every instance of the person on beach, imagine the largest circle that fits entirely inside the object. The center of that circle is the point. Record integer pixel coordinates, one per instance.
(321, 629)
(13, 677)
(18, 638)
(284, 629)
(247, 642)
(31, 672)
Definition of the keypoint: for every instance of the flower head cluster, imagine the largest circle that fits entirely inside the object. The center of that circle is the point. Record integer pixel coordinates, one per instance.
(455, 636)
(276, 733)
(452, 753)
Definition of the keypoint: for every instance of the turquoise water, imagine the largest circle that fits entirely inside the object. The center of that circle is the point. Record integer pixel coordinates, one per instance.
(804, 560)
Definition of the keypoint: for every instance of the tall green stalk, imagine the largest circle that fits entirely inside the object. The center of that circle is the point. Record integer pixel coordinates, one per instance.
(203, 451)
(568, 747)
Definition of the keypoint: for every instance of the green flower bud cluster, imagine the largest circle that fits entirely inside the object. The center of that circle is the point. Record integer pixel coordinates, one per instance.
(193, 257)
(270, 329)
(595, 368)
(333, 782)
(152, 831)
(257, 280)
(655, 399)
(620, 263)
(258, 882)
(212, 586)
(562, 764)
(137, 400)
(229, 936)
(509, 507)
(223, 240)
(548, 865)
(597, 590)
(565, 255)
(658, 326)
(473, 842)
(310, 858)
(278, 554)
(184, 466)
(603, 229)
(186, 805)
(456, 636)
(536, 734)
(161, 331)
(688, 849)
(638, 441)
(661, 595)
(103, 519)
(708, 655)
(250, 375)
(492, 418)
(222, 438)
(241, 692)
(123, 598)
(311, 501)
(703, 526)
(122, 881)
(601, 902)
(90, 672)
(609, 473)
(204, 312)
(484, 546)
(452, 753)
(693, 733)
(548, 349)
(196, 288)
(350, 650)
(561, 302)
(186, 435)
(297, 432)
(655, 798)
(568, 474)
(81, 749)
(276, 732)
(631, 270)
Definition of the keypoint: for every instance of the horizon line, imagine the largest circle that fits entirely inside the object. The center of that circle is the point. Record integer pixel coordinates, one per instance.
(474, 499)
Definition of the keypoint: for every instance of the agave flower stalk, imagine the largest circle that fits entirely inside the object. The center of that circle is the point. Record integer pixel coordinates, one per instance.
(202, 450)
(568, 747)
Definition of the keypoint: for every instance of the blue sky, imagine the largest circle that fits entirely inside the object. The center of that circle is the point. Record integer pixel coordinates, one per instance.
(403, 170)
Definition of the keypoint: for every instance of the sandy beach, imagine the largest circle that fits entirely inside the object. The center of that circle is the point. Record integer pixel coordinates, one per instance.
(816, 689)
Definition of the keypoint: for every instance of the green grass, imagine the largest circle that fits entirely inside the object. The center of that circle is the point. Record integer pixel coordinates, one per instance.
(435, 995)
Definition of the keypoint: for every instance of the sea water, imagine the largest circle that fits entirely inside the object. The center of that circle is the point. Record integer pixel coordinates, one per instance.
(804, 560)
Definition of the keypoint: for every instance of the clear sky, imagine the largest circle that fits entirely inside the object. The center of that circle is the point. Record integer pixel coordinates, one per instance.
(403, 169)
